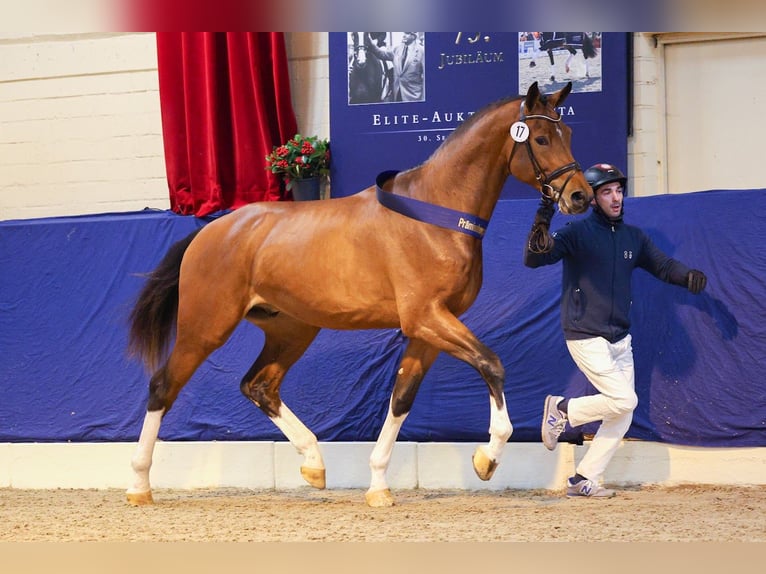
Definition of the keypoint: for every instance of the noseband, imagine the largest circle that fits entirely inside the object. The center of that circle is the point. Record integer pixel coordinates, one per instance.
(547, 189)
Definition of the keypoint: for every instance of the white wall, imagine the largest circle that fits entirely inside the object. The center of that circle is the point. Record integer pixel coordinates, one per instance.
(696, 108)
(308, 53)
(80, 125)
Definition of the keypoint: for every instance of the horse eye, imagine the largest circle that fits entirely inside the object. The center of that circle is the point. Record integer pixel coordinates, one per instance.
(541, 140)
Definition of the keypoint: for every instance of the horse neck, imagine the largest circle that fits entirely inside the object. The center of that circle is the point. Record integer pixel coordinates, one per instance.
(468, 171)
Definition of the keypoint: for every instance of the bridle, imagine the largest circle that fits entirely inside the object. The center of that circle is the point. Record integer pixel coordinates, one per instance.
(547, 189)
(359, 47)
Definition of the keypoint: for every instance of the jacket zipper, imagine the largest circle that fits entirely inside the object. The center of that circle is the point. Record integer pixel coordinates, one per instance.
(614, 274)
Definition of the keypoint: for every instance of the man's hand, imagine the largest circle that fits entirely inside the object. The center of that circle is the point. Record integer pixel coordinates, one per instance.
(539, 240)
(696, 281)
(544, 212)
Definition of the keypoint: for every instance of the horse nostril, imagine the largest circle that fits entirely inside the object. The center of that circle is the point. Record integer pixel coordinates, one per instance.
(578, 198)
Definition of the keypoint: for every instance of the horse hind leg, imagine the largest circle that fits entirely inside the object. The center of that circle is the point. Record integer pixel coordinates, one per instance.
(200, 331)
(418, 358)
(164, 387)
(286, 341)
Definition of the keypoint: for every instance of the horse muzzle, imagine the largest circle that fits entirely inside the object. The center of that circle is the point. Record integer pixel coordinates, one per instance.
(577, 202)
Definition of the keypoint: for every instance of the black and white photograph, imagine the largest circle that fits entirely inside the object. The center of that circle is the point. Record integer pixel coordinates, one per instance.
(386, 67)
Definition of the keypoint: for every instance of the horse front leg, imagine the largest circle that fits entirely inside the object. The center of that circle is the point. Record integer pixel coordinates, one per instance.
(286, 341)
(418, 357)
(305, 442)
(486, 457)
(444, 331)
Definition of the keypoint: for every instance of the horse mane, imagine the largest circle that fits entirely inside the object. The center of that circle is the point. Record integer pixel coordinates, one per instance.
(475, 117)
(487, 109)
(468, 124)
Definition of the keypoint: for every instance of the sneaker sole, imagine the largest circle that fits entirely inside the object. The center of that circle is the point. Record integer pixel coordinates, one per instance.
(597, 496)
(550, 400)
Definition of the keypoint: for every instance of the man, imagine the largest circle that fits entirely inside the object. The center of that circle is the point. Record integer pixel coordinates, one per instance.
(408, 61)
(599, 254)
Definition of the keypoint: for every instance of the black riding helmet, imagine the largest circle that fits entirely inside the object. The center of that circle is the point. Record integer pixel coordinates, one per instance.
(603, 173)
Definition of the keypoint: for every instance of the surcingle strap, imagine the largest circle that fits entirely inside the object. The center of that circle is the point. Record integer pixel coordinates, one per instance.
(428, 212)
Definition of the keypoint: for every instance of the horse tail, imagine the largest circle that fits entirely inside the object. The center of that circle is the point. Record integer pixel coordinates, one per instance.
(154, 313)
(588, 48)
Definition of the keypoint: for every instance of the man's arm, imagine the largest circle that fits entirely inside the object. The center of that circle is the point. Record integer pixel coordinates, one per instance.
(382, 54)
(668, 269)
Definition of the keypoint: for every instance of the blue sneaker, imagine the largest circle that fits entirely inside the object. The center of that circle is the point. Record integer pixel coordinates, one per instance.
(554, 422)
(588, 488)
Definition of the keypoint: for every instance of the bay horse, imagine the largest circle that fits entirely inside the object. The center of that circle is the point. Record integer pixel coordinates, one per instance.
(405, 253)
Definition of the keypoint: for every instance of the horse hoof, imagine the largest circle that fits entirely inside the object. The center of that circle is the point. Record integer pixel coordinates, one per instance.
(140, 498)
(483, 465)
(379, 498)
(314, 476)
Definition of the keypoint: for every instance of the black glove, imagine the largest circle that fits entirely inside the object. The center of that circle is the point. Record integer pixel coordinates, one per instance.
(539, 240)
(544, 212)
(696, 281)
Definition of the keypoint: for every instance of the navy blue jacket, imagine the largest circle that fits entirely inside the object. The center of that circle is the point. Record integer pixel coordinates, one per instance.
(599, 256)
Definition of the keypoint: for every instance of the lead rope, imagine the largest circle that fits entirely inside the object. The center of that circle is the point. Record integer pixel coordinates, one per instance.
(539, 239)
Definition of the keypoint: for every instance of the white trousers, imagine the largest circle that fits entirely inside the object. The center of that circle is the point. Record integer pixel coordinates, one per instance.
(609, 368)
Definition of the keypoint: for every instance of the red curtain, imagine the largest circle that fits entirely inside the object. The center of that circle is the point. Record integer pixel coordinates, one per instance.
(225, 100)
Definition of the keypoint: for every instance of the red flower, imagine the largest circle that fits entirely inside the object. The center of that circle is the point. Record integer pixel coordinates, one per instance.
(300, 158)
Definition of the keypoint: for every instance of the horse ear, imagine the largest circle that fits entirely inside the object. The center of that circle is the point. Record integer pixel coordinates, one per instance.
(533, 95)
(558, 98)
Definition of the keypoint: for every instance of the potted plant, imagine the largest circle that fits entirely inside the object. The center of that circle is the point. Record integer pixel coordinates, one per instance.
(302, 162)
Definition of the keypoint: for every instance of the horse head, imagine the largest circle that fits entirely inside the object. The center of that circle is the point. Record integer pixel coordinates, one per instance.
(360, 50)
(548, 163)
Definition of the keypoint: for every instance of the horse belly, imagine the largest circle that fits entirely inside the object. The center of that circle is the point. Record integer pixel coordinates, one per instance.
(327, 289)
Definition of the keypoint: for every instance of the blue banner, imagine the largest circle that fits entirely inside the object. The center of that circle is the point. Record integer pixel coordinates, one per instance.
(395, 96)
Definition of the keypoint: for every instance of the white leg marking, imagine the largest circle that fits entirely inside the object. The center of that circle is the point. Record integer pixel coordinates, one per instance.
(384, 446)
(299, 436)
(500, 429)
(142, 457)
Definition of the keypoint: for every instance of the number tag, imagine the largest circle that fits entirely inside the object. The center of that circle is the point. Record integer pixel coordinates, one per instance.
(520, 132)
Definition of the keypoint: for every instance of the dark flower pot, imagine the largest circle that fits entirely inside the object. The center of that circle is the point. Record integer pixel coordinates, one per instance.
(305, 189)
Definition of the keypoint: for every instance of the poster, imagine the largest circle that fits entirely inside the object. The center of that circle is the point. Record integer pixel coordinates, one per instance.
(395, 96)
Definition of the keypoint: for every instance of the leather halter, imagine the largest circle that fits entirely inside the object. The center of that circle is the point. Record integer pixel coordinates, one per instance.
(547, 189)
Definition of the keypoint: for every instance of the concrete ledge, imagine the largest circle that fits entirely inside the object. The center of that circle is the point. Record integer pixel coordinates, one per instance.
(638, 462)
(257, 465)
